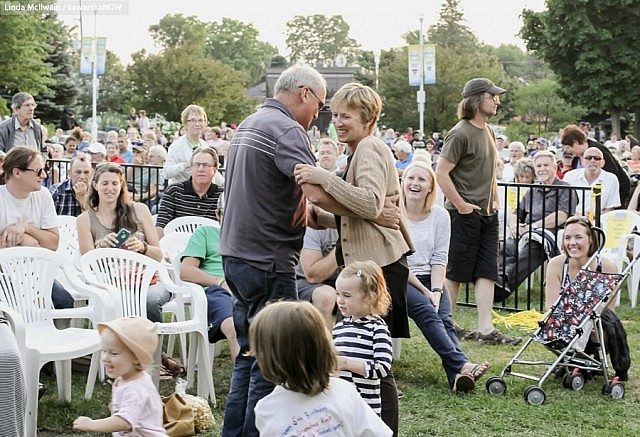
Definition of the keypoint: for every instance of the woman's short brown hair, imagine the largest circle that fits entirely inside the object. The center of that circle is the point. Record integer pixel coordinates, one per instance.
(293, 346)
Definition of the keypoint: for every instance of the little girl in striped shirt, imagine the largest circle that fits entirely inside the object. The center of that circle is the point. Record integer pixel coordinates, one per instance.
(362, 338)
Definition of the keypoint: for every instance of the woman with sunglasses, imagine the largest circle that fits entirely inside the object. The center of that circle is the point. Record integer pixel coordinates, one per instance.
(111, 209)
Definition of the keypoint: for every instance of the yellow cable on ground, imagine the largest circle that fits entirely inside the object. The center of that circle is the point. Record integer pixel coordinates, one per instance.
(523, 319)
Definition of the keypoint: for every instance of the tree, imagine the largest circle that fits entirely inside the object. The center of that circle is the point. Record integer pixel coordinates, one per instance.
(539, 105)
(175, 30)
(168, 82)
(64, 89)
(593, 52)
(459, 57)
(524, 67)
(23, 52)
(236, 44)
(308, 39)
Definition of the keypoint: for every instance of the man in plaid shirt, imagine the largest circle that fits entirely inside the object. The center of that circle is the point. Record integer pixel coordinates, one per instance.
(69, 196)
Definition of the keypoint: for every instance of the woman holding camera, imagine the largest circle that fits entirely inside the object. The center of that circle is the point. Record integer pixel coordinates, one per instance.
(113, 220)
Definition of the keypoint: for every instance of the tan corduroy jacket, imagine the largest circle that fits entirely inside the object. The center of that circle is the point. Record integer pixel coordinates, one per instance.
(372, 176)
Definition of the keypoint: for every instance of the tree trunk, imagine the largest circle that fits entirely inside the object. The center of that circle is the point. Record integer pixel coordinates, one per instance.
(615, 122)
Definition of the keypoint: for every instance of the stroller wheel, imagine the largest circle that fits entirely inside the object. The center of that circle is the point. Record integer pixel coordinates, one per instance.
(615, 390)
(566, 380)
(496, 386)
(534, 395)
(576, 381)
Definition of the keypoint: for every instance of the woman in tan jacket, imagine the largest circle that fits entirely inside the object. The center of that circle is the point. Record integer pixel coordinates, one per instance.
(357, 200)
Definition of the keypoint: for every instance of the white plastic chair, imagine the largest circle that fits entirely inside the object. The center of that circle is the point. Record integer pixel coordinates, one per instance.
(127, 276)
(26, 279)
(617, 226)
(172, 245)
(214, 348)
(189, 224)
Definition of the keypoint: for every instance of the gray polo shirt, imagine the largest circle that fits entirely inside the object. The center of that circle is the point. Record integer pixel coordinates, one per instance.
(265, 212)
(542, 201)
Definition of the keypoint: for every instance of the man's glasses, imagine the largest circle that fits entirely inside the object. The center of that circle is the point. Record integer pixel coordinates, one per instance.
(195, 121)
(201, 165)
(38, 171)
(592, 158)
(320, 102)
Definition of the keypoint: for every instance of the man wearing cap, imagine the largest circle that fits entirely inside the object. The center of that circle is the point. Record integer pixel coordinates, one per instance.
(541, 144)
(20, 129)
(69, 196)
(466, 174)
(502, 143)
(97, 151)
(593, 174)
(576, 142)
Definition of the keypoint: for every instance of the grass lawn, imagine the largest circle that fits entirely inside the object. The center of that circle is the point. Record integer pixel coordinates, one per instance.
(428, 406)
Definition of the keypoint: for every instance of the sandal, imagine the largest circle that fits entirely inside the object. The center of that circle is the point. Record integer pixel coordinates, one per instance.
(174, 367)
(463, 383)
(477, 371)
(464, 333)
(497, 337)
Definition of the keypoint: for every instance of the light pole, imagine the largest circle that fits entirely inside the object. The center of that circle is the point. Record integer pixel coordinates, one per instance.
(420, 96)
(376, 60)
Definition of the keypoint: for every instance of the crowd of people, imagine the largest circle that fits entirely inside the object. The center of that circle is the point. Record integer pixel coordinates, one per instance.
(353, 221)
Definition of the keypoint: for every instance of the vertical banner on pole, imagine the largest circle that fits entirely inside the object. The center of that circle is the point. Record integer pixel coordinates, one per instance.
(414, 65)
(101, 54)
(429, 64)
(85, 55)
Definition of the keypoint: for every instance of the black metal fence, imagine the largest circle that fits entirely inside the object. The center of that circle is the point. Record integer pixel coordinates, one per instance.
(524, 265)
(146, 183)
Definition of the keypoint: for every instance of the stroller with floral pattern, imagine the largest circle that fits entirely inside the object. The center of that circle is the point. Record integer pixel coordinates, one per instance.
(565, 330)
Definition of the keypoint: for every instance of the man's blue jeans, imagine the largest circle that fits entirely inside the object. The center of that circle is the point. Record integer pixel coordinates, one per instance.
(253, 289)
(437, 327)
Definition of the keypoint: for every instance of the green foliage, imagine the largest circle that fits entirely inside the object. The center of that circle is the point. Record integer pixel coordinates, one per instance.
(23, 53)
(308, 39)
(591, 48)
(539, 105)
(520, 65)
(64, 90)
(428, 407)
(168, 82)
(236, 44)
(459, 57)
(114, 91)
(175, 30)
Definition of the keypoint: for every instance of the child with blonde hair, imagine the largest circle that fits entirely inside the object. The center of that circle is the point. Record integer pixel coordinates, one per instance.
(128, 344)
(293, 348)
(362, 338)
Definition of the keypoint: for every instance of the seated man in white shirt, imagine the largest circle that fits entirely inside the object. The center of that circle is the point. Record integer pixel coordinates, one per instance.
(590, 175)
(27, 213)
(516, 152)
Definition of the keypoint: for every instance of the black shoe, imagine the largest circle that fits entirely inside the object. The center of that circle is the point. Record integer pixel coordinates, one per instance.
(501, 291)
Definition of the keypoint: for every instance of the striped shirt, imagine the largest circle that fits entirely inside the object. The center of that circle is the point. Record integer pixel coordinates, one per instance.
(181, 200)
(368, 340)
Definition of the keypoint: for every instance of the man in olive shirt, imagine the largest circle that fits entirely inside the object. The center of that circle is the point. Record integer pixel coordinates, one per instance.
(467, 176)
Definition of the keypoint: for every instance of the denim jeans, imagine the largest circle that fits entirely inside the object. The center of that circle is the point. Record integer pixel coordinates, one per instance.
(437, 327)
(157, 296)
(253, 289)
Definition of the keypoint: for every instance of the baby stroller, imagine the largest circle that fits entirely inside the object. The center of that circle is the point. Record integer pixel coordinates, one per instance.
(565, 330)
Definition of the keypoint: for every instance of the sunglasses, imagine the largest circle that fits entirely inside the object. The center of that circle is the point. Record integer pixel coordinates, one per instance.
(592, 158)
(38, 171)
